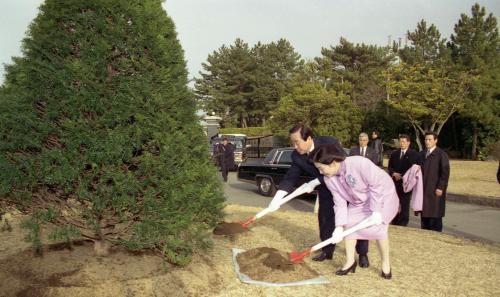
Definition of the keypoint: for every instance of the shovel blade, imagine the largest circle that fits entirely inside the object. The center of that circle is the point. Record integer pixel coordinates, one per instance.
(298, 257)
(246, 223)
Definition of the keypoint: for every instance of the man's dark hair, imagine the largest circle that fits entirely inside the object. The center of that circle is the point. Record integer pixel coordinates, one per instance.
(376, 133)
(224, 139)
(305, 132)
(434, 134)
(327, 153)
(405, 136)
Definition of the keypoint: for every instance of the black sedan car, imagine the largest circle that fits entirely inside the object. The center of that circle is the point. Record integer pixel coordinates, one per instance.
(268, 173)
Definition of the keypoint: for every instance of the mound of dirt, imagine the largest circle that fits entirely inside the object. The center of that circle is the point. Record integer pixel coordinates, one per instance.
(229, 229)
(270, 265)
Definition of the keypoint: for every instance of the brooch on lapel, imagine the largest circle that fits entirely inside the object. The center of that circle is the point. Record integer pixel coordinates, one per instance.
(351, 181)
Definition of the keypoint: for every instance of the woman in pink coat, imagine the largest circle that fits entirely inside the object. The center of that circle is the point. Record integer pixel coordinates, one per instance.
(360, 189)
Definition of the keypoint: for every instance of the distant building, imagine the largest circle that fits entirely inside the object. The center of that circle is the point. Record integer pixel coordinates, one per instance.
(211, 125)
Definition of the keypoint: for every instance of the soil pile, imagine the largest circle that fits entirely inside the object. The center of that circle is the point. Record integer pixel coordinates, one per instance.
(270, 265)
(229, 229)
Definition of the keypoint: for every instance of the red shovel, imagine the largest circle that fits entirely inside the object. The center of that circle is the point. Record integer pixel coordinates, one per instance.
(297, 257)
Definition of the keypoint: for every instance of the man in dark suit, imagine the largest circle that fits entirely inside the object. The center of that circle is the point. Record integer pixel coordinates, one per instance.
(400, 161)
(363, 149)
(435, 173)
(302, 140)
(227, 157)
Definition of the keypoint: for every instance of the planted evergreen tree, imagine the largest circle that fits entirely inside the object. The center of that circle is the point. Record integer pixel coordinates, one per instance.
(99, 136)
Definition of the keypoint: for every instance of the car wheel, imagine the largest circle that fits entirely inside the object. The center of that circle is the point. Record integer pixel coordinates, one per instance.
(266, 186)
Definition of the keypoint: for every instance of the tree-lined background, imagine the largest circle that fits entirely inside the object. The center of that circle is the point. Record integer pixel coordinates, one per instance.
(427, 82)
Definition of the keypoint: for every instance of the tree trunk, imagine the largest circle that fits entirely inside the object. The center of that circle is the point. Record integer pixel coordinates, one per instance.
(454, 133)
(417, 137)
(474, 141)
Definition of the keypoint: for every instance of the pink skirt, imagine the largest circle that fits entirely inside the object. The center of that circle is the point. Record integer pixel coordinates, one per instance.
(356, 214)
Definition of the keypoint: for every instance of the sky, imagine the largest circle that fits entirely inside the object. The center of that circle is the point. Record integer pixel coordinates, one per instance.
(203, 26)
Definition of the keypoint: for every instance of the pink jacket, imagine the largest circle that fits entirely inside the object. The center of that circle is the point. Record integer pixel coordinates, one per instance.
(412, 180)
(365, 187)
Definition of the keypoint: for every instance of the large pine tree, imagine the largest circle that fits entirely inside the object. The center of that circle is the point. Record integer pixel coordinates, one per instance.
(99, 136)
(475, 47)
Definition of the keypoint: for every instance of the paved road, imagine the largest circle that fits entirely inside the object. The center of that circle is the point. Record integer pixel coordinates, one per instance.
(467, 220)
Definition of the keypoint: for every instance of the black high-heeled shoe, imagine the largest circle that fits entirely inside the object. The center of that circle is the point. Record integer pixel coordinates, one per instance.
(386, 276)
(350, 269)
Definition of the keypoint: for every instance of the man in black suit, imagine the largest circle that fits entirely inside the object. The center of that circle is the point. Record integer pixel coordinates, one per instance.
(435, 173)
(363, 149)
(302, 140)
(400, 161)
(227, 157)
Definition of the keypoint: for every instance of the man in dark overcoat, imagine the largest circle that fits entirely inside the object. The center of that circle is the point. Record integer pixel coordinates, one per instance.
(226, 150)
(400, 161)
(436, 173)
(302, 140)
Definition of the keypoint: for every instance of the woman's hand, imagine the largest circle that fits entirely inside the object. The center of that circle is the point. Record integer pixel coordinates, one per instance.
(376, 217)
(337, 234)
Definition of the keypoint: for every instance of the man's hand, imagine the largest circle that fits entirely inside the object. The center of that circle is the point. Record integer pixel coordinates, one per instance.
(396, 176)
(309, 187)
(275, 203)
(439, 193)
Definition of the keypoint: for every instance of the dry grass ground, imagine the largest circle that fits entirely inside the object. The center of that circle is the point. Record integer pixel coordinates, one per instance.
(475, 178)
(424, 264)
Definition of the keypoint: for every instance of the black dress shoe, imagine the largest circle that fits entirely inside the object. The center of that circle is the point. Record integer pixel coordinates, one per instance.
(363, 261)
(386, 276)
(323, 256)
(350, 269)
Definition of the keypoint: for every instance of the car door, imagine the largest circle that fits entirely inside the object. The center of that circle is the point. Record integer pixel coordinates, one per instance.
(280, 164)
(283, 163)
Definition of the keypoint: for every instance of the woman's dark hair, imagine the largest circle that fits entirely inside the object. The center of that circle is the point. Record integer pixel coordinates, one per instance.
(376, 133)
(305, 132)
(327, 153)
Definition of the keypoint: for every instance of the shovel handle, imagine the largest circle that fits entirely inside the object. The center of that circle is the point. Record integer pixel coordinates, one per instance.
(363, 224)
(262, 213)
(299, 191)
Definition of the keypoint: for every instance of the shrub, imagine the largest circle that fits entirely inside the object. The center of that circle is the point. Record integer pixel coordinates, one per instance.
(99, 131)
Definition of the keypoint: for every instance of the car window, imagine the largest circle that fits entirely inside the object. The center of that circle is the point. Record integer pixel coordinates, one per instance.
(237, 144)
(269, 157)
(286, 157)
